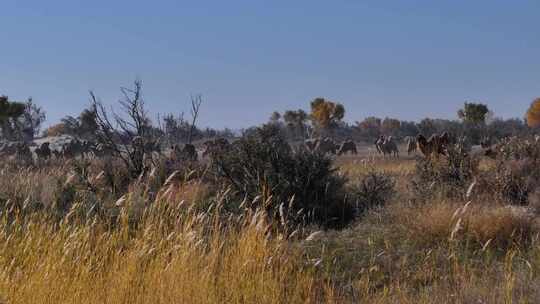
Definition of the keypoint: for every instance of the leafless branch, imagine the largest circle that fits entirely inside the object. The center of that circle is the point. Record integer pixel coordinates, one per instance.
(196, 102)
(132, 123)
(106, 133)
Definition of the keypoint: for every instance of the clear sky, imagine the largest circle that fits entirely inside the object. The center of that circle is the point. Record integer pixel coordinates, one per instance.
(404, 59)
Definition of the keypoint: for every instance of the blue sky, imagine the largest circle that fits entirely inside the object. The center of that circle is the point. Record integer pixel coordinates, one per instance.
(404, 59)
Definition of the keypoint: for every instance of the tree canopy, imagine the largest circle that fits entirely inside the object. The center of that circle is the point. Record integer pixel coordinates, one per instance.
(10, 109)
(474, 113)
(84, 126)
(390, 125)
(296, 122)
(533, 114)
(20, 120)
(325, 113)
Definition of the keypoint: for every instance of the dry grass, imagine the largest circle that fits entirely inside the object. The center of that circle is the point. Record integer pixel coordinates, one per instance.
(354, 166)
(358, 165)
(479, 225)
(417, 256)
(178, 247)
(195, 260)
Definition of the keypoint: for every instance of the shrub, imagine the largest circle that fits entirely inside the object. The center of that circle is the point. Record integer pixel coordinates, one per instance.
(374, 189)
(515, 148)
(306, 186)
(515, 180)
(515, 176)
(448, 175)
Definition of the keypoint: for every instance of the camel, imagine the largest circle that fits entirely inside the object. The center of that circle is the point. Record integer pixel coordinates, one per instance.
(378, 144)
(411, 145)
(386, 145)
(327, 145)
(188, 152)
(43, 151)
(347, 146)
(425, 146)
(435, 145)
(389, 147)
(311, 143)
(75, 147)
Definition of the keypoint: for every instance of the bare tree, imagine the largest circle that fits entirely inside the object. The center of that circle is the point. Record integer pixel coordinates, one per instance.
(124, 135)
(177, 128)
(137, 123)
(196, 102)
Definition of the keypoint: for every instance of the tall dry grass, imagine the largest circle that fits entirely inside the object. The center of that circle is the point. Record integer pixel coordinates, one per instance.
(399, 255)
(173, 256)
(167, 247)
(478, 225)
(176, 245)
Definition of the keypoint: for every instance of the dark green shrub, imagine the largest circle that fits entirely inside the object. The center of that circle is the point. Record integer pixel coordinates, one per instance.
(305, 184)
(373, 190)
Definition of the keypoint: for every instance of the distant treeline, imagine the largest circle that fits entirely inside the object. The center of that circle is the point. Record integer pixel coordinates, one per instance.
(474, 120)
(23, 121)
(371, 128)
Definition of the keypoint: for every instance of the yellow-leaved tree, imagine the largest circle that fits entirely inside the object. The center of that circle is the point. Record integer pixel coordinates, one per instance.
(533, 114)
(326, 114)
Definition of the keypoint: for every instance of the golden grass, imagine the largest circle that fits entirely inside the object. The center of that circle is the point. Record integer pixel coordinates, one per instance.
(169, 251)
(398, 256)
(481, 225)
(195, 260)
(358, 166)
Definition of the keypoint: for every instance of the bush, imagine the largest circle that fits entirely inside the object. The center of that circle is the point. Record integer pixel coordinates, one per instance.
(515, 148)
(448, 175)
(515, 176)
(373, 190)
(304, 184)
(515, 180)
